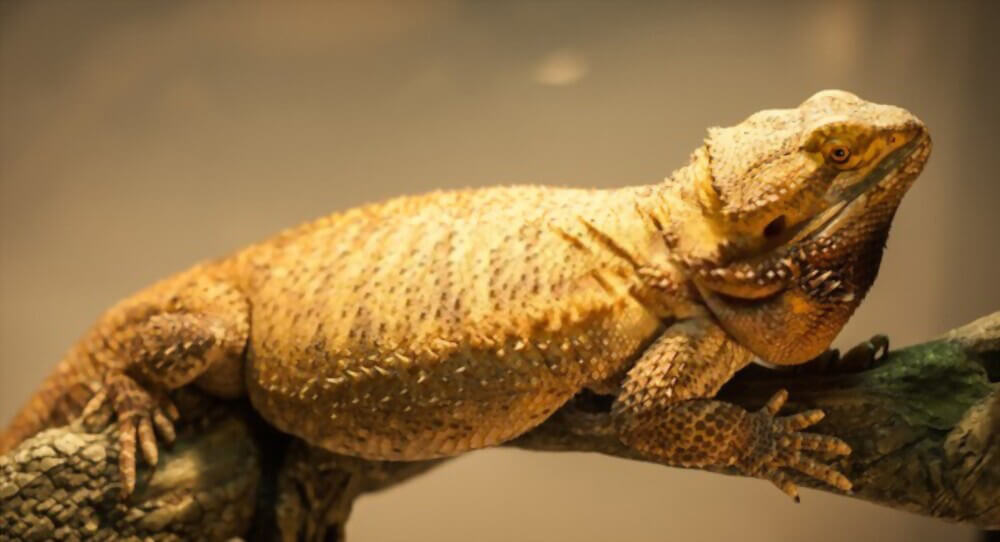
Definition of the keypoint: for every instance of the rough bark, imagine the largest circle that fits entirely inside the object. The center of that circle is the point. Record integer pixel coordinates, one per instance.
(63, 484)
(924, 424)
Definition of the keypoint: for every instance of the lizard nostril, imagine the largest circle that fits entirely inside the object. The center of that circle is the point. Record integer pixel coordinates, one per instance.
(774, 227)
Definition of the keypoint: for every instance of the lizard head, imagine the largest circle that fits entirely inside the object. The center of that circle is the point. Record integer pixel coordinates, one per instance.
(797, 205)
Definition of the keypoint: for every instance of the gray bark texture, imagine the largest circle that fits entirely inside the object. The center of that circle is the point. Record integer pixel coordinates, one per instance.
(923, 423)
(63, 484)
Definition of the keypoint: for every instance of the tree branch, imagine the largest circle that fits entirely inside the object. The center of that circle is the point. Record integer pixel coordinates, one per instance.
(63, 484)
(924, 424)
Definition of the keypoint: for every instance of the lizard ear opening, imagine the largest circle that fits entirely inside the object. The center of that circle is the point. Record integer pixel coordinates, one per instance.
(775, 227)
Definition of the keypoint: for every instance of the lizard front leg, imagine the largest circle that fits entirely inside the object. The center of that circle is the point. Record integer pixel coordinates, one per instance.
(665, 411)
(191, 328)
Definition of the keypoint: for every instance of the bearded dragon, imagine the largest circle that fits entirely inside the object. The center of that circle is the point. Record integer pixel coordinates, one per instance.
(432, 325)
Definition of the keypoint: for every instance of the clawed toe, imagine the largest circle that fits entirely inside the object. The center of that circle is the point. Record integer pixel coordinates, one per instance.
(786, 447)
(812, 442)
(140, 418)
(861, 357)
(865, 355)
(785, 484)
(824, 473)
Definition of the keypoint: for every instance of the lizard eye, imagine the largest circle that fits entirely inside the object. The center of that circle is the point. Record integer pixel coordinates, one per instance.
(837, 152)
(775, 227)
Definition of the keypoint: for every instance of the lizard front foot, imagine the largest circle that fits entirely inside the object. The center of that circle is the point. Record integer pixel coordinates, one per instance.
(777, 444)
(137, 411)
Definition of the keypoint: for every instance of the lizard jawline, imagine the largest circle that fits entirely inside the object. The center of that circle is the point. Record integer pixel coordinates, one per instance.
(854, 199)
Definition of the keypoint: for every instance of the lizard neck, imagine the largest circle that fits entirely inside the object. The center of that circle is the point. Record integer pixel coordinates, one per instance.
(665, 231)
(678, 207)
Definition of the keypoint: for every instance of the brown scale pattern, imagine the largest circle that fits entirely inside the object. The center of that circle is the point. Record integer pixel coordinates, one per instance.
(463, 320)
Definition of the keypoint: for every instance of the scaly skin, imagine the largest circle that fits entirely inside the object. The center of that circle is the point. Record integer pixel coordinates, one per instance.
(427, 326)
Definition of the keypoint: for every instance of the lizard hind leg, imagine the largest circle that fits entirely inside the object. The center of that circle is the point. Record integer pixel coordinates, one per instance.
(192, 328)
(665, 411)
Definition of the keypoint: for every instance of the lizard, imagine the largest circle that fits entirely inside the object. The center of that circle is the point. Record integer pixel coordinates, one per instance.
(427, 326)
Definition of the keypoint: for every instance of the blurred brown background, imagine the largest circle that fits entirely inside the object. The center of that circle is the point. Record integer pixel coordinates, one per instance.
(137, 138)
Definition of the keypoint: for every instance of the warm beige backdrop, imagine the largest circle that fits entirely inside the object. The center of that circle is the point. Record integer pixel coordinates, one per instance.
(137, 138)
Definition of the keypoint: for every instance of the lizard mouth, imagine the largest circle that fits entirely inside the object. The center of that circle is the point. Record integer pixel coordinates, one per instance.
(890, 178)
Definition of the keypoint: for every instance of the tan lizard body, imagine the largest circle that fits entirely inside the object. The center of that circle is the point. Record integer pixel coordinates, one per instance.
(431, 325)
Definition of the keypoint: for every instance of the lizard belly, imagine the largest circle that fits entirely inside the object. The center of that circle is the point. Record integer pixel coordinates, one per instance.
(412, 405)
(409, 415)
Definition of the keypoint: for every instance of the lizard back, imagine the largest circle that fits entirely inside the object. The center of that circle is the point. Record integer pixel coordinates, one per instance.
(418, 327)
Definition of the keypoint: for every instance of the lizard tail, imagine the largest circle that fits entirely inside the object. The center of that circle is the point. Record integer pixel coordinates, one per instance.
(60, 398)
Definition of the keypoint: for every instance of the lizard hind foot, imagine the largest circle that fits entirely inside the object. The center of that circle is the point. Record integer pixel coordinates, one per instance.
(137, 412)
(865, 355)
(779, 445)
(861, 357)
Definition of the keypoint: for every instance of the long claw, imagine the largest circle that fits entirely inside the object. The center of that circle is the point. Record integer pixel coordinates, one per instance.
(802, 420)
(821, 472)
(95, 404)
(785, 484)
(864, 356)
(881, 343)
(776, 401)
(147, 441)
(164, 427)
(126, 454)
(820, 443)
(170, 409)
